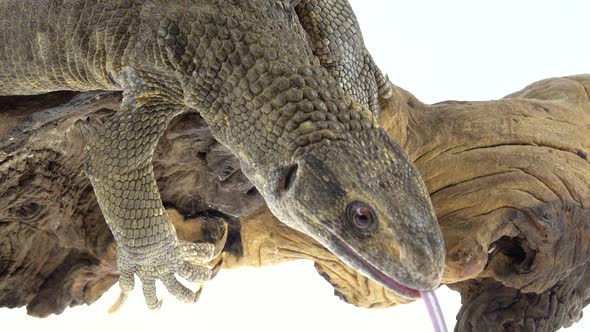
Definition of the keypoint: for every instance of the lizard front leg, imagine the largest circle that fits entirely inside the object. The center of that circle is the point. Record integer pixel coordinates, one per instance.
(337, 41)
(118, 163)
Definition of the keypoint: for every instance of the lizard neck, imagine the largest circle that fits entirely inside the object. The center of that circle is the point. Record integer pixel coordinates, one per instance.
(253, 77)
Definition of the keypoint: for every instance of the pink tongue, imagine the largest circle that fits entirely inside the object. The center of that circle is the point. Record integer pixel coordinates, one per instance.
(438, 321)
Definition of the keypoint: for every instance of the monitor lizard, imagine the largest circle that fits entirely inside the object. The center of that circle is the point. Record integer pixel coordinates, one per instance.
(286, 85)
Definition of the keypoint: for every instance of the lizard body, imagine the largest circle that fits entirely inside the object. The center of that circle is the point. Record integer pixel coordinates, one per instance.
(286, 85)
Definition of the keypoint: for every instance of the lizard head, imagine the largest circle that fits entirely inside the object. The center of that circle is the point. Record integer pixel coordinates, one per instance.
(364, 200)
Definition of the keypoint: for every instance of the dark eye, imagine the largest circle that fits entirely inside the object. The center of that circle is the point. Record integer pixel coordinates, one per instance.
(289, 176)
(361, 217)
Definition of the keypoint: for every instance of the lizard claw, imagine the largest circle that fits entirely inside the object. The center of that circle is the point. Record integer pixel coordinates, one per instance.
(179, 261)
(119, 303)
(203, 252)
(158, 305)
(126, 283)
(198, 295)
(164, 269)
(220, 244)
(216, 268)
(384, 86)
(180, 291)
(386, 91)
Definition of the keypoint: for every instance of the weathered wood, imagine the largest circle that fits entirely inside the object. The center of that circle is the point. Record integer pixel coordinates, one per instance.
(509, 179)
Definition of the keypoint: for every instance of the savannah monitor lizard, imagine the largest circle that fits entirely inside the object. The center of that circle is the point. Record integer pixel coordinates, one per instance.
(286, 85)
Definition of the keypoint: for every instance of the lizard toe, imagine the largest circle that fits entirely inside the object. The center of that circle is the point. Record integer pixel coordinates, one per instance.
(126, 283)
(195, 273)
(203, 252)
(149, 292)
(181, 292)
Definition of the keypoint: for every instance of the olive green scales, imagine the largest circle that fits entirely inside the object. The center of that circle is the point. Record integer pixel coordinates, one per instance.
(287, 86)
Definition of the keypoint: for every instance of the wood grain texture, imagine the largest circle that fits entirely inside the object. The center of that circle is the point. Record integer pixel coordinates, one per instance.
(509, 179)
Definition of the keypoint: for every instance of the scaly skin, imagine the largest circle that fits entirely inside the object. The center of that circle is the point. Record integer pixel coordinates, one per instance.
(298, 110)
(337, 42)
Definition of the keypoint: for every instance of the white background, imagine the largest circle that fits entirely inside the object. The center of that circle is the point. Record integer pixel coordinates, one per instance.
(438, 50)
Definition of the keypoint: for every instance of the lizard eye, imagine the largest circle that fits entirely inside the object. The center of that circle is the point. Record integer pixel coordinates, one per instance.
(287, 179)
(361, 217)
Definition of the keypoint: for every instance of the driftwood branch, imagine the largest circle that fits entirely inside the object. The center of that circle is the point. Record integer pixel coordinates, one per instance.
(509, 179)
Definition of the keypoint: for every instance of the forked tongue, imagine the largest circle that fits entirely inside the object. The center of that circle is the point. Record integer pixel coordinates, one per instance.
(438, 321)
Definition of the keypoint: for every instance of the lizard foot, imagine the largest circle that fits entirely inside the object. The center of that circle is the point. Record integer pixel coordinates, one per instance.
(384, 85)
(184, 261)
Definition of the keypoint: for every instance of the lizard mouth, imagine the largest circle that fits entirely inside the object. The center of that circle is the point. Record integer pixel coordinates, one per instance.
(374, 273)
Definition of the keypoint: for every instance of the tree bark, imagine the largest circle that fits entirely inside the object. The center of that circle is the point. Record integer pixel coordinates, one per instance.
(509, 179)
